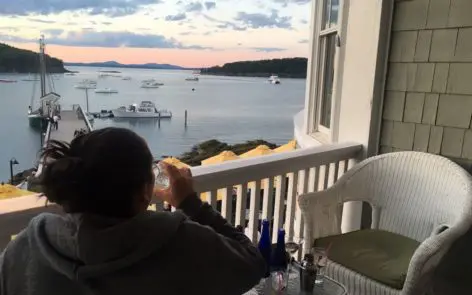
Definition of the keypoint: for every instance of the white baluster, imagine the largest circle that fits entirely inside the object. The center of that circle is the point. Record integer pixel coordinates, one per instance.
(254, 208)
(241, 202)
(268, 198)
(314, 179)
(212, 198)
(326, 176)
(299, 225)
(279, 205)
(291, 204)
(227, 204)
(336, 171)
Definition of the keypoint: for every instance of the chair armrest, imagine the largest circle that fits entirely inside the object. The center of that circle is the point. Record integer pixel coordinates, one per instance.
(427, 257)
(322, 214)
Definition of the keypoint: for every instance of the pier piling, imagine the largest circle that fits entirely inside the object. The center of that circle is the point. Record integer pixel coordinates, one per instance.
(186, 118)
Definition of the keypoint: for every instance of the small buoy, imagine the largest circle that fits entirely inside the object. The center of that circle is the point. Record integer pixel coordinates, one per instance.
(193, 89)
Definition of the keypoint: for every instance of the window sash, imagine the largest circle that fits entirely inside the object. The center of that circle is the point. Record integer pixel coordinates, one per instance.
(328, 44)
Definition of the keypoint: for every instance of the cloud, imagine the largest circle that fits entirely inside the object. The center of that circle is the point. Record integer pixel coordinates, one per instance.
(268, 49)
(53, 32)
(185, 33)
(304, 21)
(7, 28)
(177, 17)
(106, 23)
(210, 5)
(303, 41)
(110, 40)
(41, 21)
(112, 8)
(285, 3)
(259, 20)
(225, 24)
(194, 7)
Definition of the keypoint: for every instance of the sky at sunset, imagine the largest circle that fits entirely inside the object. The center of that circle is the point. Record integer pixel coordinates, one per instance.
(182, 32)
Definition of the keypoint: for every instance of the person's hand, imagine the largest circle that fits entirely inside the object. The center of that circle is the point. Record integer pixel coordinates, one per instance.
(180, 185)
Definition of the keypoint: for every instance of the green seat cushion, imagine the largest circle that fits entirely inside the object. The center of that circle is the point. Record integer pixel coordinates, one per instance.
(376, 254)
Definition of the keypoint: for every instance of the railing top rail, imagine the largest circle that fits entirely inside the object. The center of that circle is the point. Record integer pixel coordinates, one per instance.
(246, 170)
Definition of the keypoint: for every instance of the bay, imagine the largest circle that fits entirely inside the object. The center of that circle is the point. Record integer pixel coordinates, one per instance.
(230, 109)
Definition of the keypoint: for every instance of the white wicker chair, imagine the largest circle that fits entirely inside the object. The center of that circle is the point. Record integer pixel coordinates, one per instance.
(412, 194)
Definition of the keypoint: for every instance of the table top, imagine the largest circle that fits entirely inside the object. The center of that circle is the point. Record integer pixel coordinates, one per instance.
(329, 287)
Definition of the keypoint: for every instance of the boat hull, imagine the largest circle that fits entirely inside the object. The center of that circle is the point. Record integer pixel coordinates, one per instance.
(125, 114)
(37, 122)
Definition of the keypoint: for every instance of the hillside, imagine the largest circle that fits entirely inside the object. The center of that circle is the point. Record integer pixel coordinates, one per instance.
(15, 60)
(285, 68)
(114, 64)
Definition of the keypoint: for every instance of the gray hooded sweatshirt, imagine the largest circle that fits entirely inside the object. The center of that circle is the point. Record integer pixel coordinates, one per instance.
(194, 252)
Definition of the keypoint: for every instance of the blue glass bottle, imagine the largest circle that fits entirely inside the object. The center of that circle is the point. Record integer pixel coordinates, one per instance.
(279, 259)
(265, 246)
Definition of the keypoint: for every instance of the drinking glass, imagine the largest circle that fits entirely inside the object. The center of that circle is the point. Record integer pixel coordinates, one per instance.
(321, 260)
(279, 281)
(161, 181)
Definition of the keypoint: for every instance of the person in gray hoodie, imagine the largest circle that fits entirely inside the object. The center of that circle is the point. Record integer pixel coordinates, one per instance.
(108, 243)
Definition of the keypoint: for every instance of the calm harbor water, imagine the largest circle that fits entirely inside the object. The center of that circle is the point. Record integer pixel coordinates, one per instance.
(230, 109)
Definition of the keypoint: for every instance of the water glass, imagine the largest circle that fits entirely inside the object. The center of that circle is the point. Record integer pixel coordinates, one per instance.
(321, 259)
(279, 281)
(161, 181)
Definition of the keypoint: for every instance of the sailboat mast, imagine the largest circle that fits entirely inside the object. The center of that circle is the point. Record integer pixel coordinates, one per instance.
(42, 66)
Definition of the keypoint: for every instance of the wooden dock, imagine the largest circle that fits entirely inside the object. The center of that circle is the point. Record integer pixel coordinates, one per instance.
(70, 122)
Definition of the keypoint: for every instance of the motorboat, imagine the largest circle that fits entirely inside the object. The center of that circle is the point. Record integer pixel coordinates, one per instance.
(146, 109)
(274, 79)
(69, 74)
(194, 78)
(103, 114)
(31, 78)
(152, 81)
(7, 81)
(86, 84)
(106, 91)
(127, 78)
(151, 85)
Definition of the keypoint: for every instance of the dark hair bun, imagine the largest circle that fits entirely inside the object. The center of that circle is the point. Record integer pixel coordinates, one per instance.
(62, 181)
(103, 167)
(62, 175)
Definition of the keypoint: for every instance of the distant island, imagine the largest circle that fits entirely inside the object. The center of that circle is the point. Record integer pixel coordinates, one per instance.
(284, 68)
(15, 60)
(114, 64)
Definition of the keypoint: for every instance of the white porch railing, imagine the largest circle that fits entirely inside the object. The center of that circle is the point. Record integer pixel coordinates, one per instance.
(278, 179)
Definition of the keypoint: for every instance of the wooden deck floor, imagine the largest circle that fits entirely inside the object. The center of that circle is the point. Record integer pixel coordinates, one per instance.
(68, 124)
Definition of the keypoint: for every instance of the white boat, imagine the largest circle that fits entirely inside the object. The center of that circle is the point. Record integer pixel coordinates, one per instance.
(146, 109)
(151, 85)
(274, 79)
(196, 79)
(69, 74)
(126, 78)
(86, 84)
(152, 81)
(30, 78)
(106, 90)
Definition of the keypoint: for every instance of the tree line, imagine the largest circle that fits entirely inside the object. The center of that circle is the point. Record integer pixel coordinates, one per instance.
(15, 60)
(284, 68)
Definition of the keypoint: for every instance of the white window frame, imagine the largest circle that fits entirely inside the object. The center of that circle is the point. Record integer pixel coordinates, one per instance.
(316, 73)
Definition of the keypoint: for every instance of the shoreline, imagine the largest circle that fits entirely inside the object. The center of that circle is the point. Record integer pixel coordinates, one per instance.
(256, 75)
